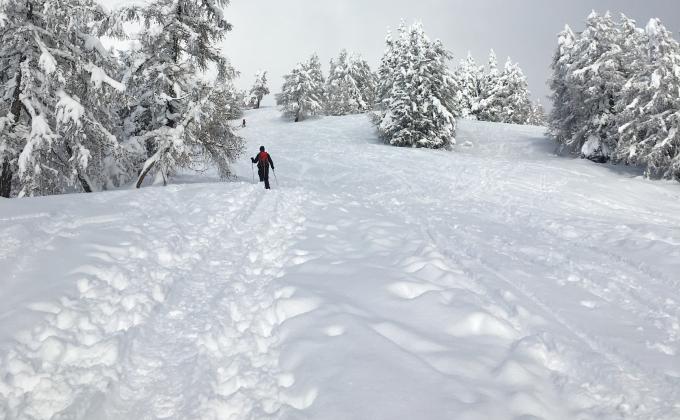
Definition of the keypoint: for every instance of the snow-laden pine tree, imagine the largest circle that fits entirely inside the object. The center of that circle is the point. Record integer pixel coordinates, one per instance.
(171, 106)
(418, 103)
(384, 77)
(512, 96)
(57, 114)
(219, 146)
(259, 90)
(366, 80)
(233, 100)
(489, 107)
(649, 123)
(537, 116)
(350, 87)
(302, 93)
(313, 68)
(595, 79)
(470, 78)
(562, 121)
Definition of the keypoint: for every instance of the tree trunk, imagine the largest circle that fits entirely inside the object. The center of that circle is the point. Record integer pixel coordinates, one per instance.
(143, 175)
(258, 103)
(6, 179)
(83, 182)
(15, 109)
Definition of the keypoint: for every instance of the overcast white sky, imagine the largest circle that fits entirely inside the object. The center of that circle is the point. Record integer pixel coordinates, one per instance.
(275, 34)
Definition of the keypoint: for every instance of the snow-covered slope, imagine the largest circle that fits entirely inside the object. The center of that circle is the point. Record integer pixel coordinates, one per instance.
(495, 282)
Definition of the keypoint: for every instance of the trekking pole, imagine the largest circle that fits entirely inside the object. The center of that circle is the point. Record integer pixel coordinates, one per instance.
(277, 180)
(252, 168)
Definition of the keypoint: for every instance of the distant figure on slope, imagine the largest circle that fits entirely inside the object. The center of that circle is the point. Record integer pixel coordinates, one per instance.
(244, 123)
(263, 161)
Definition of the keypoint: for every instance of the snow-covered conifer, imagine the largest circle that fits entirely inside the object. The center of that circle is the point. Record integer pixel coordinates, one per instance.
(259, 90)
(219, 145)
(418, 101)
(57, 115)
(318, 82)
(350, 87)
(537, 116)
(562, 118)
(595, 79)
(512, 96)
(302, 93)
(179, 39)
(649, 123)
(470, 79)
(385, 76)
(489, 106)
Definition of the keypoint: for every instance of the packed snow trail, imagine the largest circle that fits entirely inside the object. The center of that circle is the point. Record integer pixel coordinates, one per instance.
(498, 281)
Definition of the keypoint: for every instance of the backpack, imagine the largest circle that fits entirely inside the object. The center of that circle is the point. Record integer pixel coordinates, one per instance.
(263, 159)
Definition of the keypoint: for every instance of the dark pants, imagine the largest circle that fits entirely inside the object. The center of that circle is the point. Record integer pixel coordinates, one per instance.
(263, 172)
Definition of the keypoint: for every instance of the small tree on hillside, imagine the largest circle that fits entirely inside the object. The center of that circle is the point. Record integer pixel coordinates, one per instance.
(350, 88)
(259, 90)
(489, 107)
(418, 100)
(537, 116)
(302, 93)
(512, 94)
(470, 80)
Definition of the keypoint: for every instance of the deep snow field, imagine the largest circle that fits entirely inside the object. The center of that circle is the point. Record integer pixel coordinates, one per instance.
(495, 282)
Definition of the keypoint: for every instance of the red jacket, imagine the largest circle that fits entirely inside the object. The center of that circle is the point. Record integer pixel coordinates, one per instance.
(264, 160)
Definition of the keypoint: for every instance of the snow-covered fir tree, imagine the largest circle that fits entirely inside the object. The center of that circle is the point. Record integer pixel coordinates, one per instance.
(511, 96)
(219, 146)
(495, 96)
(350, 87)
(171, 105)
(649, 123)
(259, 90)
(366, 80)
(488, 104)
(418, 101)
(537, 115)
(595, 78)
(57, 115)
(233, 100)
(504, 96)
(470, 78)
(302, 93)
(313, 68)
(562, 119)
(388, 63)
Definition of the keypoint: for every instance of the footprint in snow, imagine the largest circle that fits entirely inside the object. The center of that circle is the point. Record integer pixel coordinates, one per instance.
(411, 290)
(334, 330)
(589, 304)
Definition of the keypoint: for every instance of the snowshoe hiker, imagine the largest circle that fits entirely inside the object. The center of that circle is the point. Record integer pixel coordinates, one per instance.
(263, 161)
(244, 123)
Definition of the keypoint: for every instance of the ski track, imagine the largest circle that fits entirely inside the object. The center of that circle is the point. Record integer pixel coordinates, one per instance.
(373, 283)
